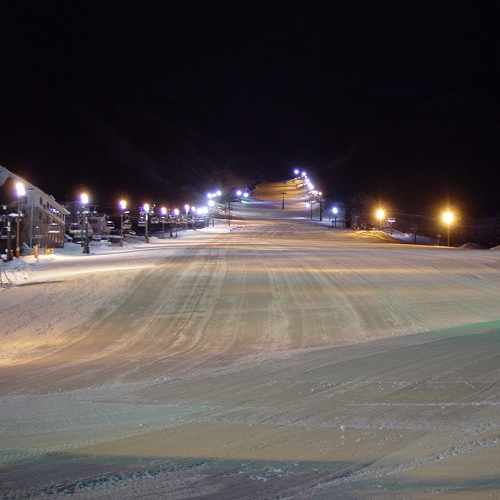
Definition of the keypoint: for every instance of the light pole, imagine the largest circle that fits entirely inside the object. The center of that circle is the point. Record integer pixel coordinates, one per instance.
(176, 214)
(335, 211)
(193, 209)
(163, 212)
(414, 230)
(283, 202)
(84, 199)
(186, 208)
(211, 205)
(448, 219)
(123, 206)
(20, 192)
(380, 214)
(9, 238)
(146, 211)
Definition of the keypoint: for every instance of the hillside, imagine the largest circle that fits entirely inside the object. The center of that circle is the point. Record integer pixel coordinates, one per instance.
(119, 137)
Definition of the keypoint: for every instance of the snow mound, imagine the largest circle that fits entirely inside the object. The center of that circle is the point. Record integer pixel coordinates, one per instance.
(473, 246)
(18, 270)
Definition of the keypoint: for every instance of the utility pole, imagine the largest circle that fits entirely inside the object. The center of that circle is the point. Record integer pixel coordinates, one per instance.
(9, 241)
(20, 193)
(414, 231)
(283, 202)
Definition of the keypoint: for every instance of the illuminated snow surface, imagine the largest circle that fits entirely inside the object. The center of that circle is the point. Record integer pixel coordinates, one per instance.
(280, 359)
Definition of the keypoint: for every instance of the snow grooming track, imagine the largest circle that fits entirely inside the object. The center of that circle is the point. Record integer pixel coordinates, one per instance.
(270, 361)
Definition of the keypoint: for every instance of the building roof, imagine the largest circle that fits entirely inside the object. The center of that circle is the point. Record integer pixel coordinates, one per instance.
(5, 174)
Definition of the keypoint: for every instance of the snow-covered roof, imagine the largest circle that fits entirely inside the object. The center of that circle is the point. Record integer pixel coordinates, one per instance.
(6, 174)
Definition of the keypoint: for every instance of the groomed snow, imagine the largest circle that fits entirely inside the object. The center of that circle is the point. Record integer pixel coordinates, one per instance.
(276, 358)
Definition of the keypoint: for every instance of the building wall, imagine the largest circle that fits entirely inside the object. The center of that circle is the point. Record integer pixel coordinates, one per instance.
(45, 220)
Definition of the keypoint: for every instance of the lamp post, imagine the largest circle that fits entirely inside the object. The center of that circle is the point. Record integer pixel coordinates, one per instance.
(176, 214)
(193, 209)
(20, 193)
(211, 205)
(123, 206)
(335, 211)
(448, 219)
(146, 212)
(283, 202)
(84, 199)
(9, 239)
(212, 199)
(186, 209)
(380, 215)
(414, 230)
(163, 212)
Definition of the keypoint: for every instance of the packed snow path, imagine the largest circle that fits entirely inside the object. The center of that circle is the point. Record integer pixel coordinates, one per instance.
(282, 359)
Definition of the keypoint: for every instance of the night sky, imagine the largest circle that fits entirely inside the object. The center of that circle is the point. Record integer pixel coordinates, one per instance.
(396, 100)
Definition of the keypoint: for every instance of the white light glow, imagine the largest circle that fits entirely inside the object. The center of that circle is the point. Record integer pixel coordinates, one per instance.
(448, 217)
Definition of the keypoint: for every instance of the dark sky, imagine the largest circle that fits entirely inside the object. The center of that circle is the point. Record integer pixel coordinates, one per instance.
(291, 82)
(210, 47)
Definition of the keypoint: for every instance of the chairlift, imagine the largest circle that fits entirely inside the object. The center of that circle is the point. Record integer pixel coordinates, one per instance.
(75, 228)
(54, 228)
